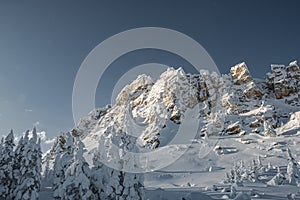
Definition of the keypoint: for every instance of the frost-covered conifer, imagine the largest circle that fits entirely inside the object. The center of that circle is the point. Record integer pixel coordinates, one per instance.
(253, 172)
(292, 169)
(62, 161)
(6, 166)
(77, 183)
(110, 183)
(278, 179)
(232, 192)
(28, 176)
(19, 157)
(1, 147)
(268, 129)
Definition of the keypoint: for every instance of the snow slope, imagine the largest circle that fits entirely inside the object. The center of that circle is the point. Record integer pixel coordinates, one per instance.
(238, 119)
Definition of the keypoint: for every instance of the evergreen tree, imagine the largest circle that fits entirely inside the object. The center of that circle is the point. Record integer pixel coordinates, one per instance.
(29, 179)
(58, 148)
(278, 179)
(292, 169)
(269, 167)
(1, 153)
(253, 172)
(110, 183)
(1, 148)
(233, 192)
(6, 166)
(62, 162)
(77, 183)
(268, 129)
(47, 172)
(19, 156)
(237, 174)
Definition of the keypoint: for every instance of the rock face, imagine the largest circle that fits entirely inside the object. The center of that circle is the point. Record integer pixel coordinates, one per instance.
(233, 129)
(284, 81)
(241, 76)
(148, 114)
(151, 109)
(86, 124)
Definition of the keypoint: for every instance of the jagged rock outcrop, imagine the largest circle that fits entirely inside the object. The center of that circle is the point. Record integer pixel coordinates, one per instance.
(86, 124)
(233, 129)
(146, 107)
(148, 114)
(241, 76)
(284, 81)
(242, 93)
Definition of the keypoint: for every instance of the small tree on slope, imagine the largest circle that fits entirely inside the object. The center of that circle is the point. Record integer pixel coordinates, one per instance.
(6, 166)
(278, 179)
(292, 169)
(268, 129)
(77, 181)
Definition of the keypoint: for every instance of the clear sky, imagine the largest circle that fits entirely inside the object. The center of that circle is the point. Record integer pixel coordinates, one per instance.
(42, 45)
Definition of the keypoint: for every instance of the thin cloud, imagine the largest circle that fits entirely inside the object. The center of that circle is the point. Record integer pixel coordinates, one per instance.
(36, 124)
(42, 135)
(50, 141)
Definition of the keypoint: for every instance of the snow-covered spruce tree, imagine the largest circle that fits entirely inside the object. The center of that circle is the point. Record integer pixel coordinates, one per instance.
(97, 177)
(240, 173)
(62, 161)
(292, 169)
(278, 179)
(58, 148)
(237, 174)
(1, 147)
(47, 172)
(233, 192)
(111, 183)
(253, 172)
(268, 129)
(29, 179)
(269, 167)
(260, 166)
(19, 157)
(77, 185)
(6, 166)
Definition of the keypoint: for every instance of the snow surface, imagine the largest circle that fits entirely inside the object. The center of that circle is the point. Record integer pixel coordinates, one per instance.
(149, 116)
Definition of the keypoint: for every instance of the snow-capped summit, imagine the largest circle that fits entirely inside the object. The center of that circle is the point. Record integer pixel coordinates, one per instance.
(146, 110)
(148, 114)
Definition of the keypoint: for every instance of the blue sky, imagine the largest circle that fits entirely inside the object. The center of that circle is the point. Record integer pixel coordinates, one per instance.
(42, 45)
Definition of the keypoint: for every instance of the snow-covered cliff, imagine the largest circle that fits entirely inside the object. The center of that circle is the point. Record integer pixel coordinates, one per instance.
(148, 114)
